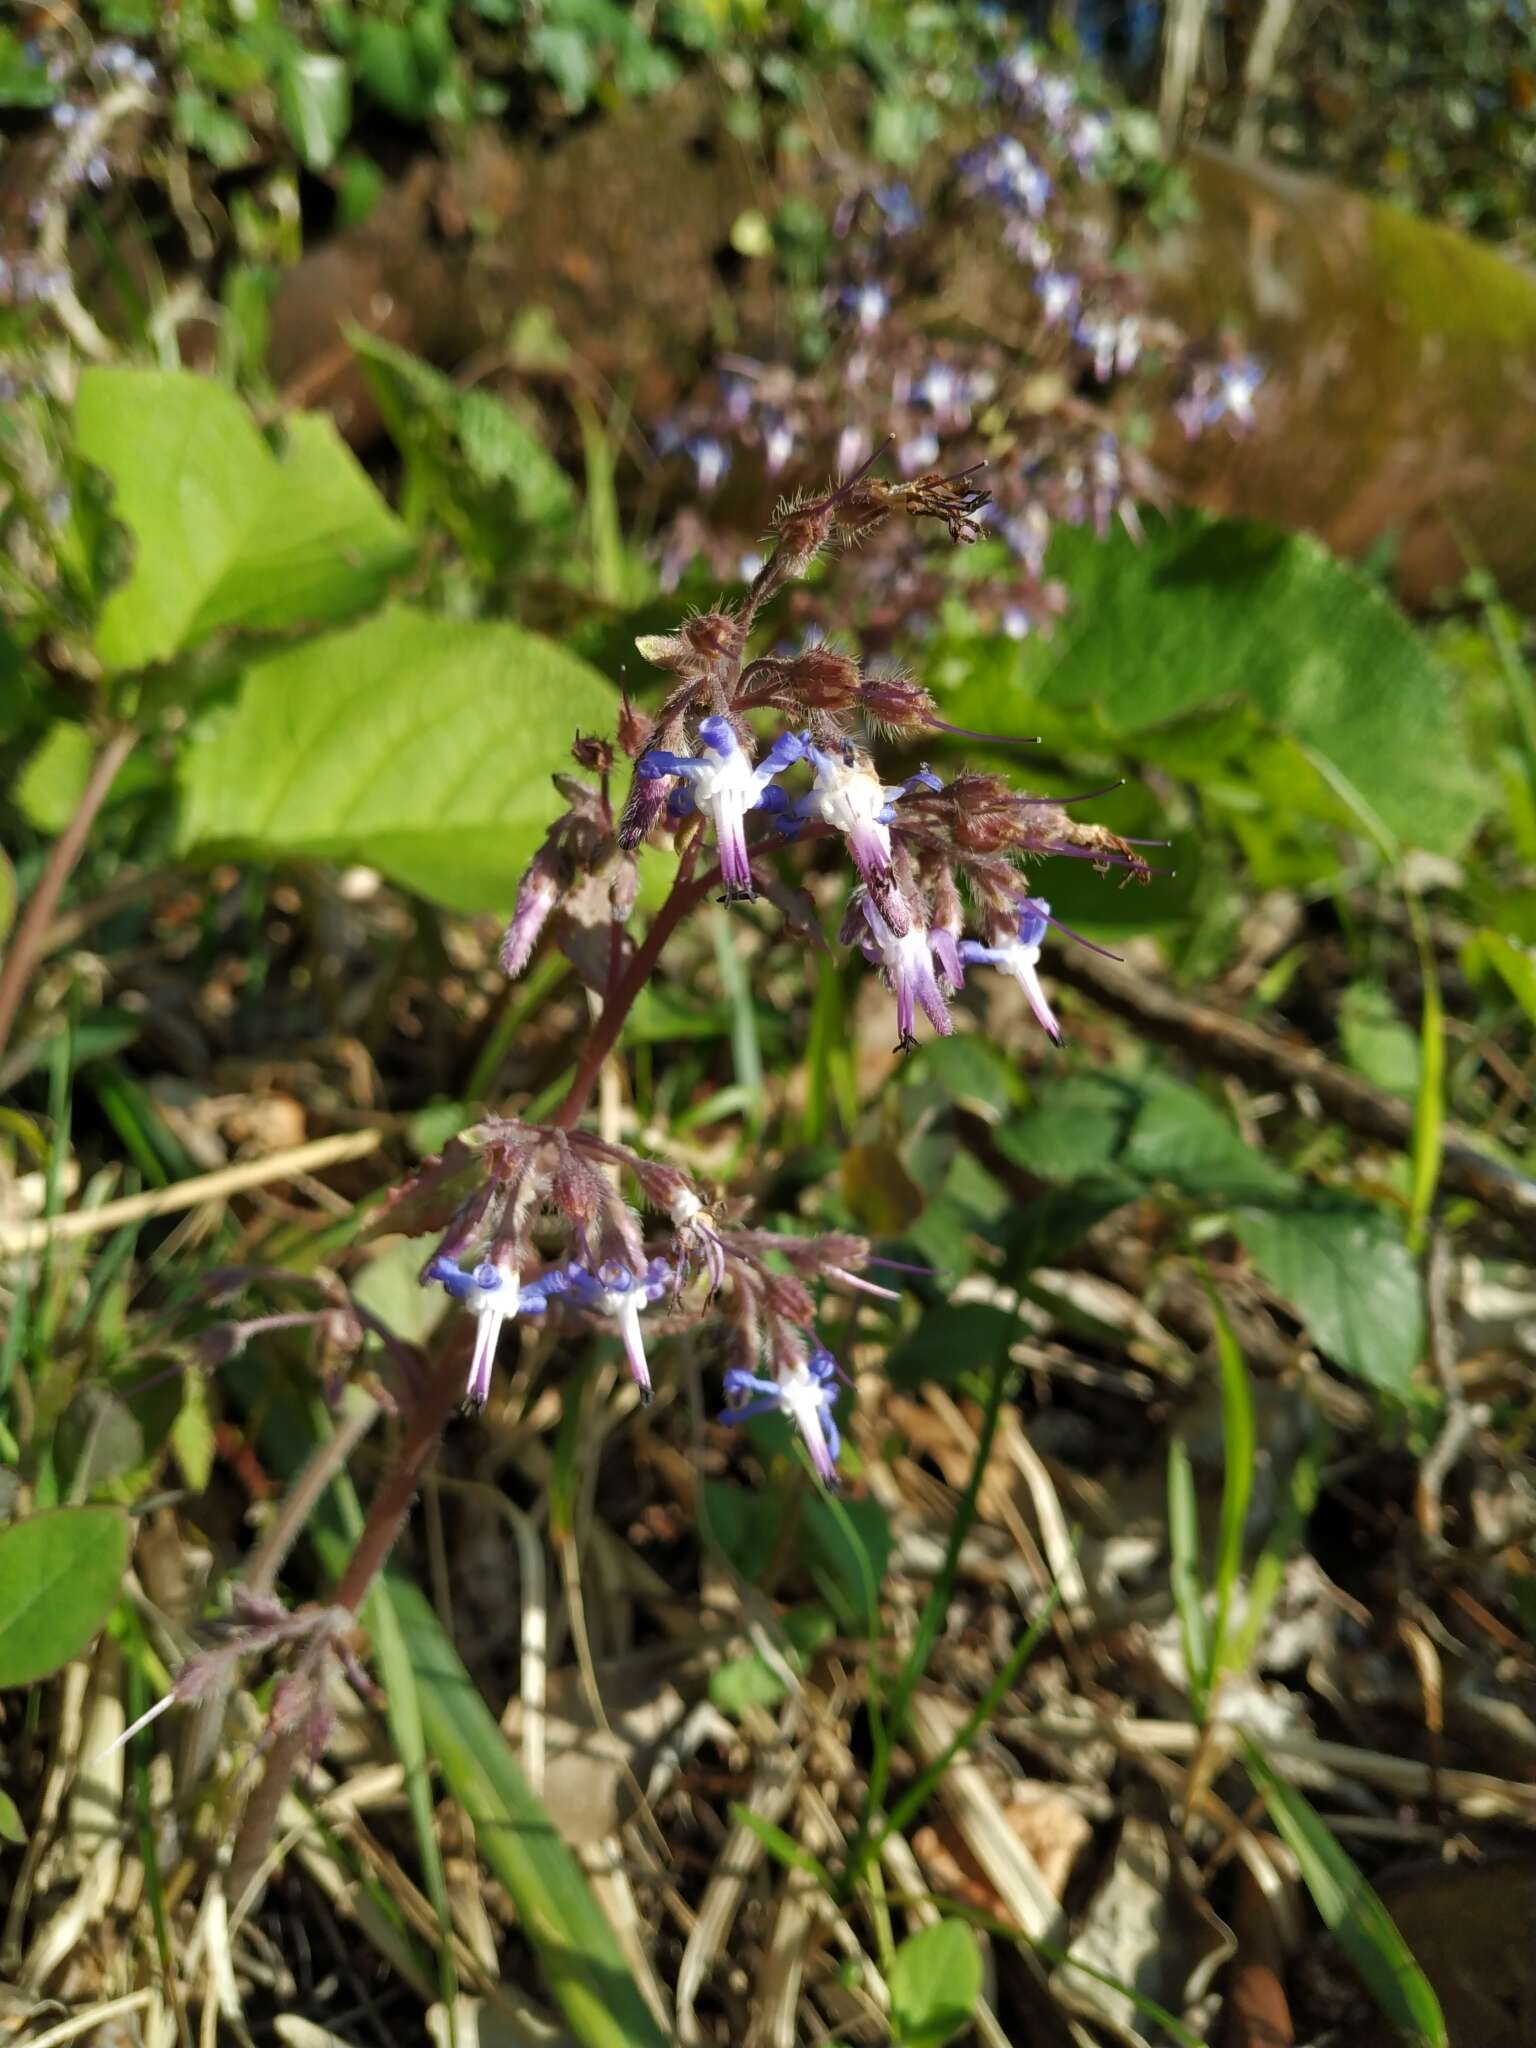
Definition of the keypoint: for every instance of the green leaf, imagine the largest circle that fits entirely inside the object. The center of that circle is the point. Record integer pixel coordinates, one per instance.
(389, 65)
(934, 1982)
(948, 1342)
(53, 779)
(1347, 1272)
(1515, 966)
(846, 1545)
(473, 463)
(419, 745)
(1376, 1040)
(11, 1829)
(1178, 1136)
(226, 533)
(7, 892)
(1350, 1908)
(59, 1575)
(200, 123)
(744, 1524)
(1211, 612)
(314, 97)
(519, 1841)
(24, 80)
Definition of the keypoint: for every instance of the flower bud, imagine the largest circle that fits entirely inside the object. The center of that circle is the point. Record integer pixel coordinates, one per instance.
(635, 729)
(539, 891)
(896, 702)
(821, 679)
(592, 753)
(714, 638)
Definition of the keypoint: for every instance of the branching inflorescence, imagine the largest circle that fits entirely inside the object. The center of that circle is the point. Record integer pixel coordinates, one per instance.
(1039, 394)
(929, 858)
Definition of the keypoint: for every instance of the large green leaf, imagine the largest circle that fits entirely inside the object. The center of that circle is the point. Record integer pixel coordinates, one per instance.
(59, 1575)
(1208, 613)
(422, 746)
(1345, 1269)
(225, 532)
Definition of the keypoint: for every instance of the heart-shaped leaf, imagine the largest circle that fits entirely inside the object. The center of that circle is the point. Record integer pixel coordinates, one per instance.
(225, 532)
(419, 745)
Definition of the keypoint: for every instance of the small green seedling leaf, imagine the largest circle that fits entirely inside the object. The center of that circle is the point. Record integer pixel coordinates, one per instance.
(935, 1981)
(59, 1575)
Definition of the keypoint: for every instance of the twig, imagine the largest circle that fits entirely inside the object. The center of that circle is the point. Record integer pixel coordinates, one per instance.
(187, 1194)
(387, 1514)
(1234, 1044)
(26, 947)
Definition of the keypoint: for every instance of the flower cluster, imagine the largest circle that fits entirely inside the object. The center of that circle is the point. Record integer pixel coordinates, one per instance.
(937, 887)
(530, 1179)
(112, 82)
(1044, 410)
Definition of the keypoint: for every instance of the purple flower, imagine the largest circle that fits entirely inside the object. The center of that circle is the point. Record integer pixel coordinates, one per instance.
(778, 442)
(898, 209)
(493, 1294)
(724, 783)
(1226, 393)
(1002, 169)
(1085, 144)
(850, 797)
(903, 959)
(806, 1392)
(866, 304)
(613, 1290)
(1056, 97)
(918, 452)
(711, 460)
(1058, 291)
(1020, 956)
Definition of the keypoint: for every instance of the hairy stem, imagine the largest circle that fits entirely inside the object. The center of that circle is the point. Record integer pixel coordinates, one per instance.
(27, 946)
(687, 890)
(387, 1514)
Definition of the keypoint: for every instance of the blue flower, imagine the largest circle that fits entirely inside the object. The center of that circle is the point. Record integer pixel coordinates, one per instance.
(723, 783)
(1020, 957)
(493, 1294)
(613, 1290)
(866, 304)
(898, 209)
(806, 1392)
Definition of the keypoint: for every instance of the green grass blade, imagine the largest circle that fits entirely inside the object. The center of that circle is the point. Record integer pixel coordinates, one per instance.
(1184, 1571)
(575, 1944)
(577, 1948)
(746, 1050)
(1350, 1909)
(782, 1847)
(1239, 1447)
(402, 1706)
(1429, 1104)
(1269, 1566)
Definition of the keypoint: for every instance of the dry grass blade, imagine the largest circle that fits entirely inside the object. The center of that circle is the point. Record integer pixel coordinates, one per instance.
(769, 1797)
(19, 1238)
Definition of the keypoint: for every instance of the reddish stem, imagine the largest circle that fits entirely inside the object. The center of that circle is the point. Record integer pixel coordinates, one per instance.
(685, 893)
(27, 945)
